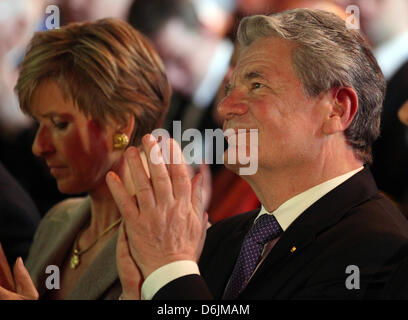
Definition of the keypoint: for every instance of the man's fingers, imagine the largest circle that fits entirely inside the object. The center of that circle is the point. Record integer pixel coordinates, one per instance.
(24, 284)
(179, 171)
(159, 175)
(203, 236)
(129, 273)
(123, 254)
(6, 278)
(122, 246)
(141, 182)
(123, 200)
(196, 195)
(198, 206)
(207, 184)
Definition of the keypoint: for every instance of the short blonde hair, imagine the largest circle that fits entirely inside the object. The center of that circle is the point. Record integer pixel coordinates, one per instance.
(106, 67)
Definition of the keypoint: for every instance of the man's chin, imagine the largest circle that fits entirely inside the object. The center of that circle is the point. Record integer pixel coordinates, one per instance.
(232, 167)
(249, 167)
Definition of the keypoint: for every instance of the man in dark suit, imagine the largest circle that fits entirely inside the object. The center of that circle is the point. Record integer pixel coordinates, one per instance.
(312, 91)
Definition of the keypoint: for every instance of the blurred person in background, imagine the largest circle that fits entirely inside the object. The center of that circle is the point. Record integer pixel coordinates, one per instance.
(251, 7)
(403, 117)
(95, 88)
(19, 217)
(403, 113)
(326, 5)
(398, 284)
(216, 16)
(18, 21)
(91, 10)
(385, 22)
(196, 60)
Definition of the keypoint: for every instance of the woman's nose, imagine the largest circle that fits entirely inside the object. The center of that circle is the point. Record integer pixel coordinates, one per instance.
(42, 144)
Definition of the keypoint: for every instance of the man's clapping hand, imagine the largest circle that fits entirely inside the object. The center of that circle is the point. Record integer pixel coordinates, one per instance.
(165, 219)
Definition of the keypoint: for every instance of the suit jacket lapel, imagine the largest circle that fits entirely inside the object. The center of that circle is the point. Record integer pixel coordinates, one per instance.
(217, 274)
(323, 214)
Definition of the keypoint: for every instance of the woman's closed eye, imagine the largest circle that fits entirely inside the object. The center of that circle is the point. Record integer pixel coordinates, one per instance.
(60, 125)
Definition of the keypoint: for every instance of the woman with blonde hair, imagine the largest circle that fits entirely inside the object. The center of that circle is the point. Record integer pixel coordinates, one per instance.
(94, 89)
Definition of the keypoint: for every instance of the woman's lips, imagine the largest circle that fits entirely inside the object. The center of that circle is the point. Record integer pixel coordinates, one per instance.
(57, 170)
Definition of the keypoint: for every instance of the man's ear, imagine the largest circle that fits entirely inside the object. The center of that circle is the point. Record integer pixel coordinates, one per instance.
(344, 106)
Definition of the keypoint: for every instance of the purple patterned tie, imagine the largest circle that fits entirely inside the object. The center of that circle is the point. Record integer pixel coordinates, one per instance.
(264, 230)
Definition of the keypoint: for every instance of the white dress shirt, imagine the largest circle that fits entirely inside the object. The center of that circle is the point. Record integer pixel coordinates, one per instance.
(285, 214)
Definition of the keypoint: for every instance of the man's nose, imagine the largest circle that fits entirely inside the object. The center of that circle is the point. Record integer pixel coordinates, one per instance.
(232, 105)
(42, 145)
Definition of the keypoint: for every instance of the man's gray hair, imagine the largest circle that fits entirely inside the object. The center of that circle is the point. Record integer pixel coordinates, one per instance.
(328, 55)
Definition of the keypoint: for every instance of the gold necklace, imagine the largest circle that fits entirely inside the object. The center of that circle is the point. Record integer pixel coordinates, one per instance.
(75, 259)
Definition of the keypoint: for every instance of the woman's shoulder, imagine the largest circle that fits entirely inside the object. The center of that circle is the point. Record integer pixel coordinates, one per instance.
(62, 214)
(56, 225)
(64, 209)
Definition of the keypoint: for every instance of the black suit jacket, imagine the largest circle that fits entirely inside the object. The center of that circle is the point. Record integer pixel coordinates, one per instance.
(351, 225)
(390, 150)
(19, 217)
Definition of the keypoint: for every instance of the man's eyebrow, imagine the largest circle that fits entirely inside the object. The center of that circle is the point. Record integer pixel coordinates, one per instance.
(254, 75)
(247, 77)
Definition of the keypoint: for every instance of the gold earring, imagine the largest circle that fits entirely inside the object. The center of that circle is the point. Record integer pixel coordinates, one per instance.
(120, 141)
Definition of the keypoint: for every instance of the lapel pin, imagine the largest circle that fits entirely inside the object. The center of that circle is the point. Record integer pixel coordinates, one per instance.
(293, 249)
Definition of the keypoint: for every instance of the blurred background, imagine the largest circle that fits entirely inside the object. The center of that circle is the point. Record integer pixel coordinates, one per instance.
(196, 40)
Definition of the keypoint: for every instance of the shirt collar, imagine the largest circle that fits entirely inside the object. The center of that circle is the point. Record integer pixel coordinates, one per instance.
(294, 207)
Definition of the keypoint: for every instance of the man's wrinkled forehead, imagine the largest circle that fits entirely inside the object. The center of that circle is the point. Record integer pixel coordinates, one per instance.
(263, 58)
